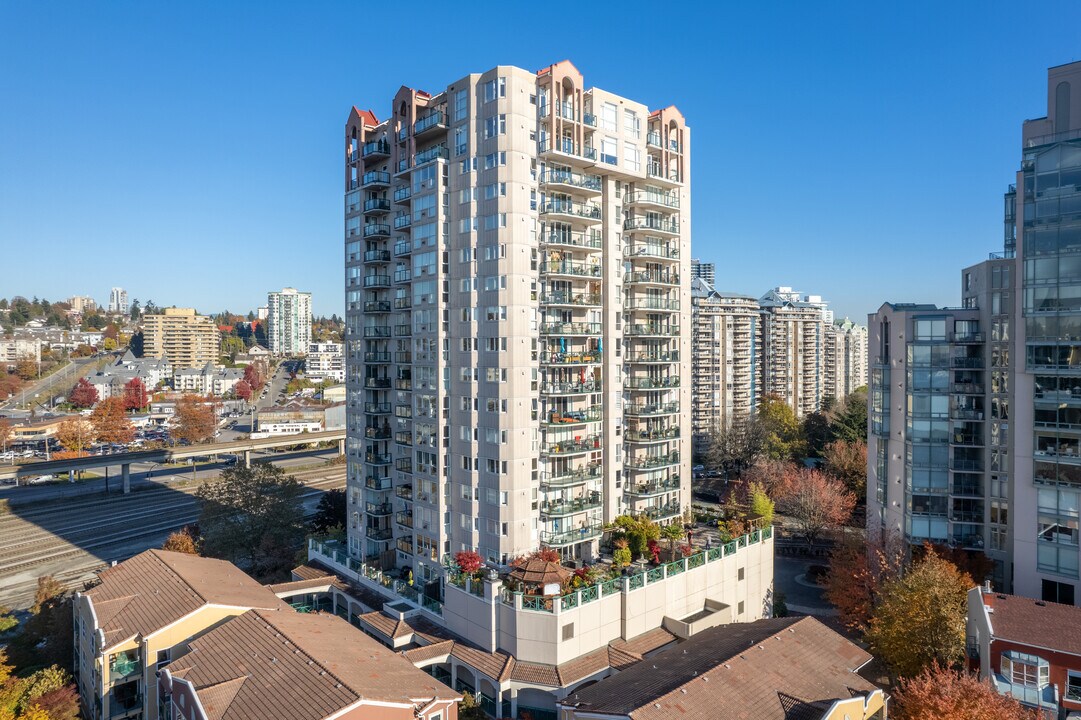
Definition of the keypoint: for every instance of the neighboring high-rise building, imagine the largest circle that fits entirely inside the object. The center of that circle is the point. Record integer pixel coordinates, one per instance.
(968, 446)
(705, 271)
(793, 365)
(180, 336)
(846, 358)
(725, 361)
(517, 309)
(82, 304)
(289, 322)
(325, 360)
(118, 301)
(261, 313)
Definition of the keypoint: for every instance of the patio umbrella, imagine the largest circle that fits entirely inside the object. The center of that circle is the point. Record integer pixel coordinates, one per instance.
(563, 344)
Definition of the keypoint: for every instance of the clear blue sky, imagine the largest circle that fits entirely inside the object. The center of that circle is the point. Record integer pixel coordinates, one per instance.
(191, 152)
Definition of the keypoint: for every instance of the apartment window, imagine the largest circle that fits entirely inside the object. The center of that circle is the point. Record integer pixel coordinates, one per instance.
(1058, 592)
(164, 657)
(495, 125)
(495, 159)
(467, 166)
(631, 125)
(631, 156)
(461, 105)
(461, 140)
(495, 190)
(1073, 685)
(1024, 669)
(608, 117)
(495, 88)
(492, 222)
(608, 151)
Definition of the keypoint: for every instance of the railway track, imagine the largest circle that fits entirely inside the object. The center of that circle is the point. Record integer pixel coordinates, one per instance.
(71, 540)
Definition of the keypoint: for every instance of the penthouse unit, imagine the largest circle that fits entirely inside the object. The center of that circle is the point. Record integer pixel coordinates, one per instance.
(517, 307)
(180, 336)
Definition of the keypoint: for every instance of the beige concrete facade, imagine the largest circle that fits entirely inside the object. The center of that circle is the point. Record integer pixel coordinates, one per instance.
(517, 306)
(183, 338)
(846, 358)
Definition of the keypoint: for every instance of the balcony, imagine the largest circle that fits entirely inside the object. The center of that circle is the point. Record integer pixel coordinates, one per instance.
(652, 224)
(570, 298)
(570, 418)
(377, 357)
(651, 303)
(644, 197)
(429, 124)
(570, 537)
(403, 166)
(663, 512)
(403, 221)
(377, 206)
(374, 482)
(589, 240)
(656, 171)
(651, 409)
(651, 277)
(377, 306)
(435, 152)
(563, 508)
(653, 139)
(571, 268)
(377, 331)
(652, 489)
(652, 358)
(404, 357)
(403, 330)
(405, 492)
(405, 545)
(975, 338)
(401, 276)
(579, 476)
(570, 388)
(572, 447)
(571, 328)
(966, 465)
(377, 383)
(376, 150)
(402, 195)
(374, 458)
(567, 148)
(653, 250)
(651, 383)
(652, 462)
(378, 534)
(375, 178)
(403, 384)
(377, 256)
(571, 180)
(379, 509)
(123, 665)
(569, 209)
(377, 433)
(402, 248)
(641, 437)
(404, 437)
(377, 408)
(377, 230)
(966, 388)
(570, 358)
(966, 362)
(404, 519)
(651, 330)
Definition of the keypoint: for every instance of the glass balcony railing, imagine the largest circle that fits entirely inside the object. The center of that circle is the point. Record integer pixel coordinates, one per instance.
(570, 357)
(570, 537)
(649, 303)
(571, 328)
(379, 509)
(573, 179)
(584, 240)
(563, 297)
(650, 489)
(570, 478)
(651, 383)
(646, 358)
(124, 664)
(651, 330)
(402, 221)
(653, 224)
(378, 534)
(651, 250)
(377, 230)
(377, 433)
(562, 508)
(563, 418)
(432, 153)
(377, 147)
(652, 277)
(569, 267)
(649, 462)
(570, 388)
(644, 197)
(648, 409)
(568, 207)
(402, 194)
(402, 248)
(572, 447)
(377, 256)
(376, 177)
(377, 306)
(377, 357)
(428, 122)
(663, 512)
(644, 436)
(377, 205)
(653, 139)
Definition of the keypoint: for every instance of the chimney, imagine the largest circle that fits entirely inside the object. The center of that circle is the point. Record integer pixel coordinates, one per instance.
(987, 586)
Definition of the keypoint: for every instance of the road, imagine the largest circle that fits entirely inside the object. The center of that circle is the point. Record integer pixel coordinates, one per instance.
(72, 538)
(802, 595)
(55, 384)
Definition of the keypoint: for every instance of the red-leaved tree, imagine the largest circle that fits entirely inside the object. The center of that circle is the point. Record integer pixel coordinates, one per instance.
(939, 692)
(83, 395)
(243, 390)
(468, 561)
(816, 501)
(254, 377)
(135, 395)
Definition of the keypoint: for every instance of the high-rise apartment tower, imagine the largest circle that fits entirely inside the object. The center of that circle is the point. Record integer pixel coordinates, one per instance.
(289, 322)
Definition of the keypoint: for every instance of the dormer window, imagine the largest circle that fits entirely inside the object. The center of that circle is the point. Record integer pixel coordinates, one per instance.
(1025, 670)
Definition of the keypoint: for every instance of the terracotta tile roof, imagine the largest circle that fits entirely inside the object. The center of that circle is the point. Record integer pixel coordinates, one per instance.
(156, 588)
(765, 670)
(428, 652)
(621, 659)
(391, 627)
(645, 643)
(302, 666)
(582, 667)
(535, 673)
(1035, 622)
(216, 699)
(308, 572)
(497, 665)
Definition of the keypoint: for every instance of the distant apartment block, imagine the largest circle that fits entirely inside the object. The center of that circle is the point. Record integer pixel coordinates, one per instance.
(517, 317)
(118, 301)
(704, 271)
(210, 379)
(289, 322)
(783, 344)
(111, 379)
(325, 361)
(17, 348)
(183, 338)
(82, 304)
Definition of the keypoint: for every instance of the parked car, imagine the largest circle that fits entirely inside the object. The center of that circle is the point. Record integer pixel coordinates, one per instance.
(40, 479)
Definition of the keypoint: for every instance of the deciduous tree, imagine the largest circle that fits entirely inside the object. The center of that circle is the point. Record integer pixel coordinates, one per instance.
(6, 431)
(194, 420)
(782, 437)
(847, 461)
(135, 395)
(26, 367)
(76, 434)
(253, 375)
(920, 617)
(243, 391)
(111, 423)
(180, 541)
(253, 517)
(468, 561)
(736, 446)
(759, 503)
(939, 693)
(83, 395)
(858, 571)
(816, 501)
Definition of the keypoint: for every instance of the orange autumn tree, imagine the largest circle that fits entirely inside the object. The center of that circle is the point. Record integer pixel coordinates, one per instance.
(815, 501)
(194, 420)
(75, 435)
(111, 423)
(938, 693)
(858, 572)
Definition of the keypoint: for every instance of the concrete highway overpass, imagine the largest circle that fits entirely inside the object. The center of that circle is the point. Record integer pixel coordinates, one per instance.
(169, 454)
